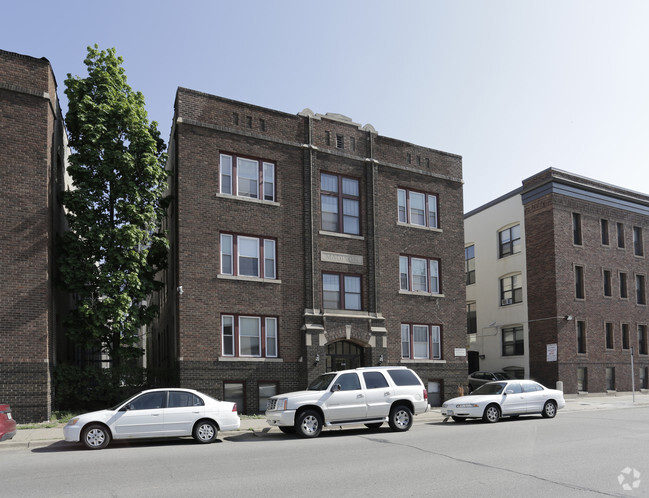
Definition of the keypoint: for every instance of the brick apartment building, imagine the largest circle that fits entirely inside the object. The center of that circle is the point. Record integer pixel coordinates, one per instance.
(306, 243)
(574, 304)
(33, 151)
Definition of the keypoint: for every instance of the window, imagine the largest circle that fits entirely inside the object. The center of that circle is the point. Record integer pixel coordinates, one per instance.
(246, 177)
(235, 393)
(421, 342)
(623, 287)
(625, 336)
(642, 339)
(605, 237)
(469, 264)
(374, 380)
(341, 291)
(581, 337)
(340, 204)
(511, 290)
(640, 289)
(340, 142)
(509, 241)
(513, 341)
(620, 235)
(249, 336)
(607, 283)
(348, 382)
(610, 378)
(417, 208)
(582, 379)
(149, 401)
(576, 229)
(178, 399)
(638, 245)
(352, 143)
(471, 319)
(327, 137)
(644, 374)
(579, 282)
(608, 335)
(419, 274)
(241, 256)
(262, 124)
(266, 390)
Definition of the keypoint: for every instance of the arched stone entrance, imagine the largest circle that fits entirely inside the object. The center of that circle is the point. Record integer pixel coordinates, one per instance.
(343, 355)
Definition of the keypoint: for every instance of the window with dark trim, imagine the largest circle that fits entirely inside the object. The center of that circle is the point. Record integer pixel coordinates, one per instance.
(642, 339)
(511, 290)
(509, 241)
(421, 342)
(471, 319)
(513, 341)
(638, 243)
(581, 336)
(340, 204)
(643, 374)
(341, 291)
(417, 208)
(608, 335)
(607, 283)
(247, 177)
(582, 379)
(418, 274)
(610, 378)
(249, 336)
(576, 229)
(605, 236)
(248, 256)
(640, 289)
(625, 336)
(235, 392)
(624, 293)
(579, 282)
(620, 235)
(469, 264)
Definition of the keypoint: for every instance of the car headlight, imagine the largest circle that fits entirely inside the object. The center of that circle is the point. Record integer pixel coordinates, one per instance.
(73, 421)
(467, 405)
(282, 404)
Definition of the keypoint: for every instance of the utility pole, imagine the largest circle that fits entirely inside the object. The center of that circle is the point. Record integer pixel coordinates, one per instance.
(632, 378)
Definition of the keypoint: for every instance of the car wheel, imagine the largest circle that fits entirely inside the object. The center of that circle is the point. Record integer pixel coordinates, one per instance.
(309, 424)
(549, 409)
(459, 419)
(400, 418)
(95, 436)
(287, 429)
(491, 414)
(374, 426)
(205, 431)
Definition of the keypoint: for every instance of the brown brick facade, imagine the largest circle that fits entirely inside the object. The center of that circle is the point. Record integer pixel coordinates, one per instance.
(301, 147)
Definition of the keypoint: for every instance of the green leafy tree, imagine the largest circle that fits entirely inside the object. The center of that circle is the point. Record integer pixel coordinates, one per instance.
(114, 247)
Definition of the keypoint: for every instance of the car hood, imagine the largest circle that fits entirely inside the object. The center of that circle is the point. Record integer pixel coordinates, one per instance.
(299, 394)
(473, 399)
(99, 415)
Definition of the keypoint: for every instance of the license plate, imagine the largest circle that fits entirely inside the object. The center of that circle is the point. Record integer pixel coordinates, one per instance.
(9, 416)
(449, 412)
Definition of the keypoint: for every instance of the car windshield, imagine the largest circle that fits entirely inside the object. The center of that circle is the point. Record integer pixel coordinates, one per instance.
(490, 388)
(321, 383)
(502, 376)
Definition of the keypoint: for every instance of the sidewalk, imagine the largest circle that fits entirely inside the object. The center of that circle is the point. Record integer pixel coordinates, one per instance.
(40, 438)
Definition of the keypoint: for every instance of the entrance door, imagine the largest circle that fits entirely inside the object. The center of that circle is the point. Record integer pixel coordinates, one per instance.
(343, 355)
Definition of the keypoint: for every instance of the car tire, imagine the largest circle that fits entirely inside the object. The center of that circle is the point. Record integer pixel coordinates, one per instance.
(309, 424)
(205, 431)
(287, 429)
(459, 420)
(491, 414)
(95, 436)
(400, 418)
(374, 426)
(549, 409)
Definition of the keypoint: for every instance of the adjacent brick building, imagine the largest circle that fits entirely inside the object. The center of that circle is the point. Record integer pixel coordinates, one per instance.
(306, 243)
(33, 153)
(577, 245)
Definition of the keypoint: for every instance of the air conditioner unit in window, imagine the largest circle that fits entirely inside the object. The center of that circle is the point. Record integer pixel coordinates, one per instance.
(505, 302)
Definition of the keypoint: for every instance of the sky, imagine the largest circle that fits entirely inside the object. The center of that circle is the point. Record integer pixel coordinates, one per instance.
(512, 86)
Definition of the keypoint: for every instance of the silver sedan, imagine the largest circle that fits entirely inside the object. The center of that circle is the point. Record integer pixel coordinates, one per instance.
(510, 398)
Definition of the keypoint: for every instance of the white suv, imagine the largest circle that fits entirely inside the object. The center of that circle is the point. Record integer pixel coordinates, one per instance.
(369, 396)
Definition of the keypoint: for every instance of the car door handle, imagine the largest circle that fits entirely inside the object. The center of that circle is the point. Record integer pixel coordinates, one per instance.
(359, 396)
(155, 414)
(387, 393)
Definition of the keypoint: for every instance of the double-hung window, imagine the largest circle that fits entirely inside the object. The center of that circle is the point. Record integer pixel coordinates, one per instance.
(638, 244)
(417, 208)
(249, 336)
(511, 290)
(421, 342)
(247, 177)
(469, 264)
(509, 241)
(341, 291)
(640, 289)
(248, 256)
(419, 274)
(340, 204)
(642, 339)
(513, 341)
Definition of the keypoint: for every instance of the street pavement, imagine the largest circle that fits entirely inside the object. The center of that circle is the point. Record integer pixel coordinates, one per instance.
(39, 438)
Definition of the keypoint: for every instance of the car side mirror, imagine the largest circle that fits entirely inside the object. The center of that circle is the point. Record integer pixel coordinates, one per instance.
(335, 388)
(126, 407)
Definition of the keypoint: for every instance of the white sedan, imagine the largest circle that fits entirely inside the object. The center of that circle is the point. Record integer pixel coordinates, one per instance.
(155, 413)
(505, 399)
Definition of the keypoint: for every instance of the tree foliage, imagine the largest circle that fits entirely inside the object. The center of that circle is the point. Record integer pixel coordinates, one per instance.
(109, 257)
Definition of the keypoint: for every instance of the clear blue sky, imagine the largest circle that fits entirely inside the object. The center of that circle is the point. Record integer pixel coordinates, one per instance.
(512, 86)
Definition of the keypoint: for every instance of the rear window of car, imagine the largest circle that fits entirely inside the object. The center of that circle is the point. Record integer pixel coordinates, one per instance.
(404, 378)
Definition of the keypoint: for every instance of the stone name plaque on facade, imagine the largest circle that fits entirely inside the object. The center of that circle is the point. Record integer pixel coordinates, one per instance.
(336, 257)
